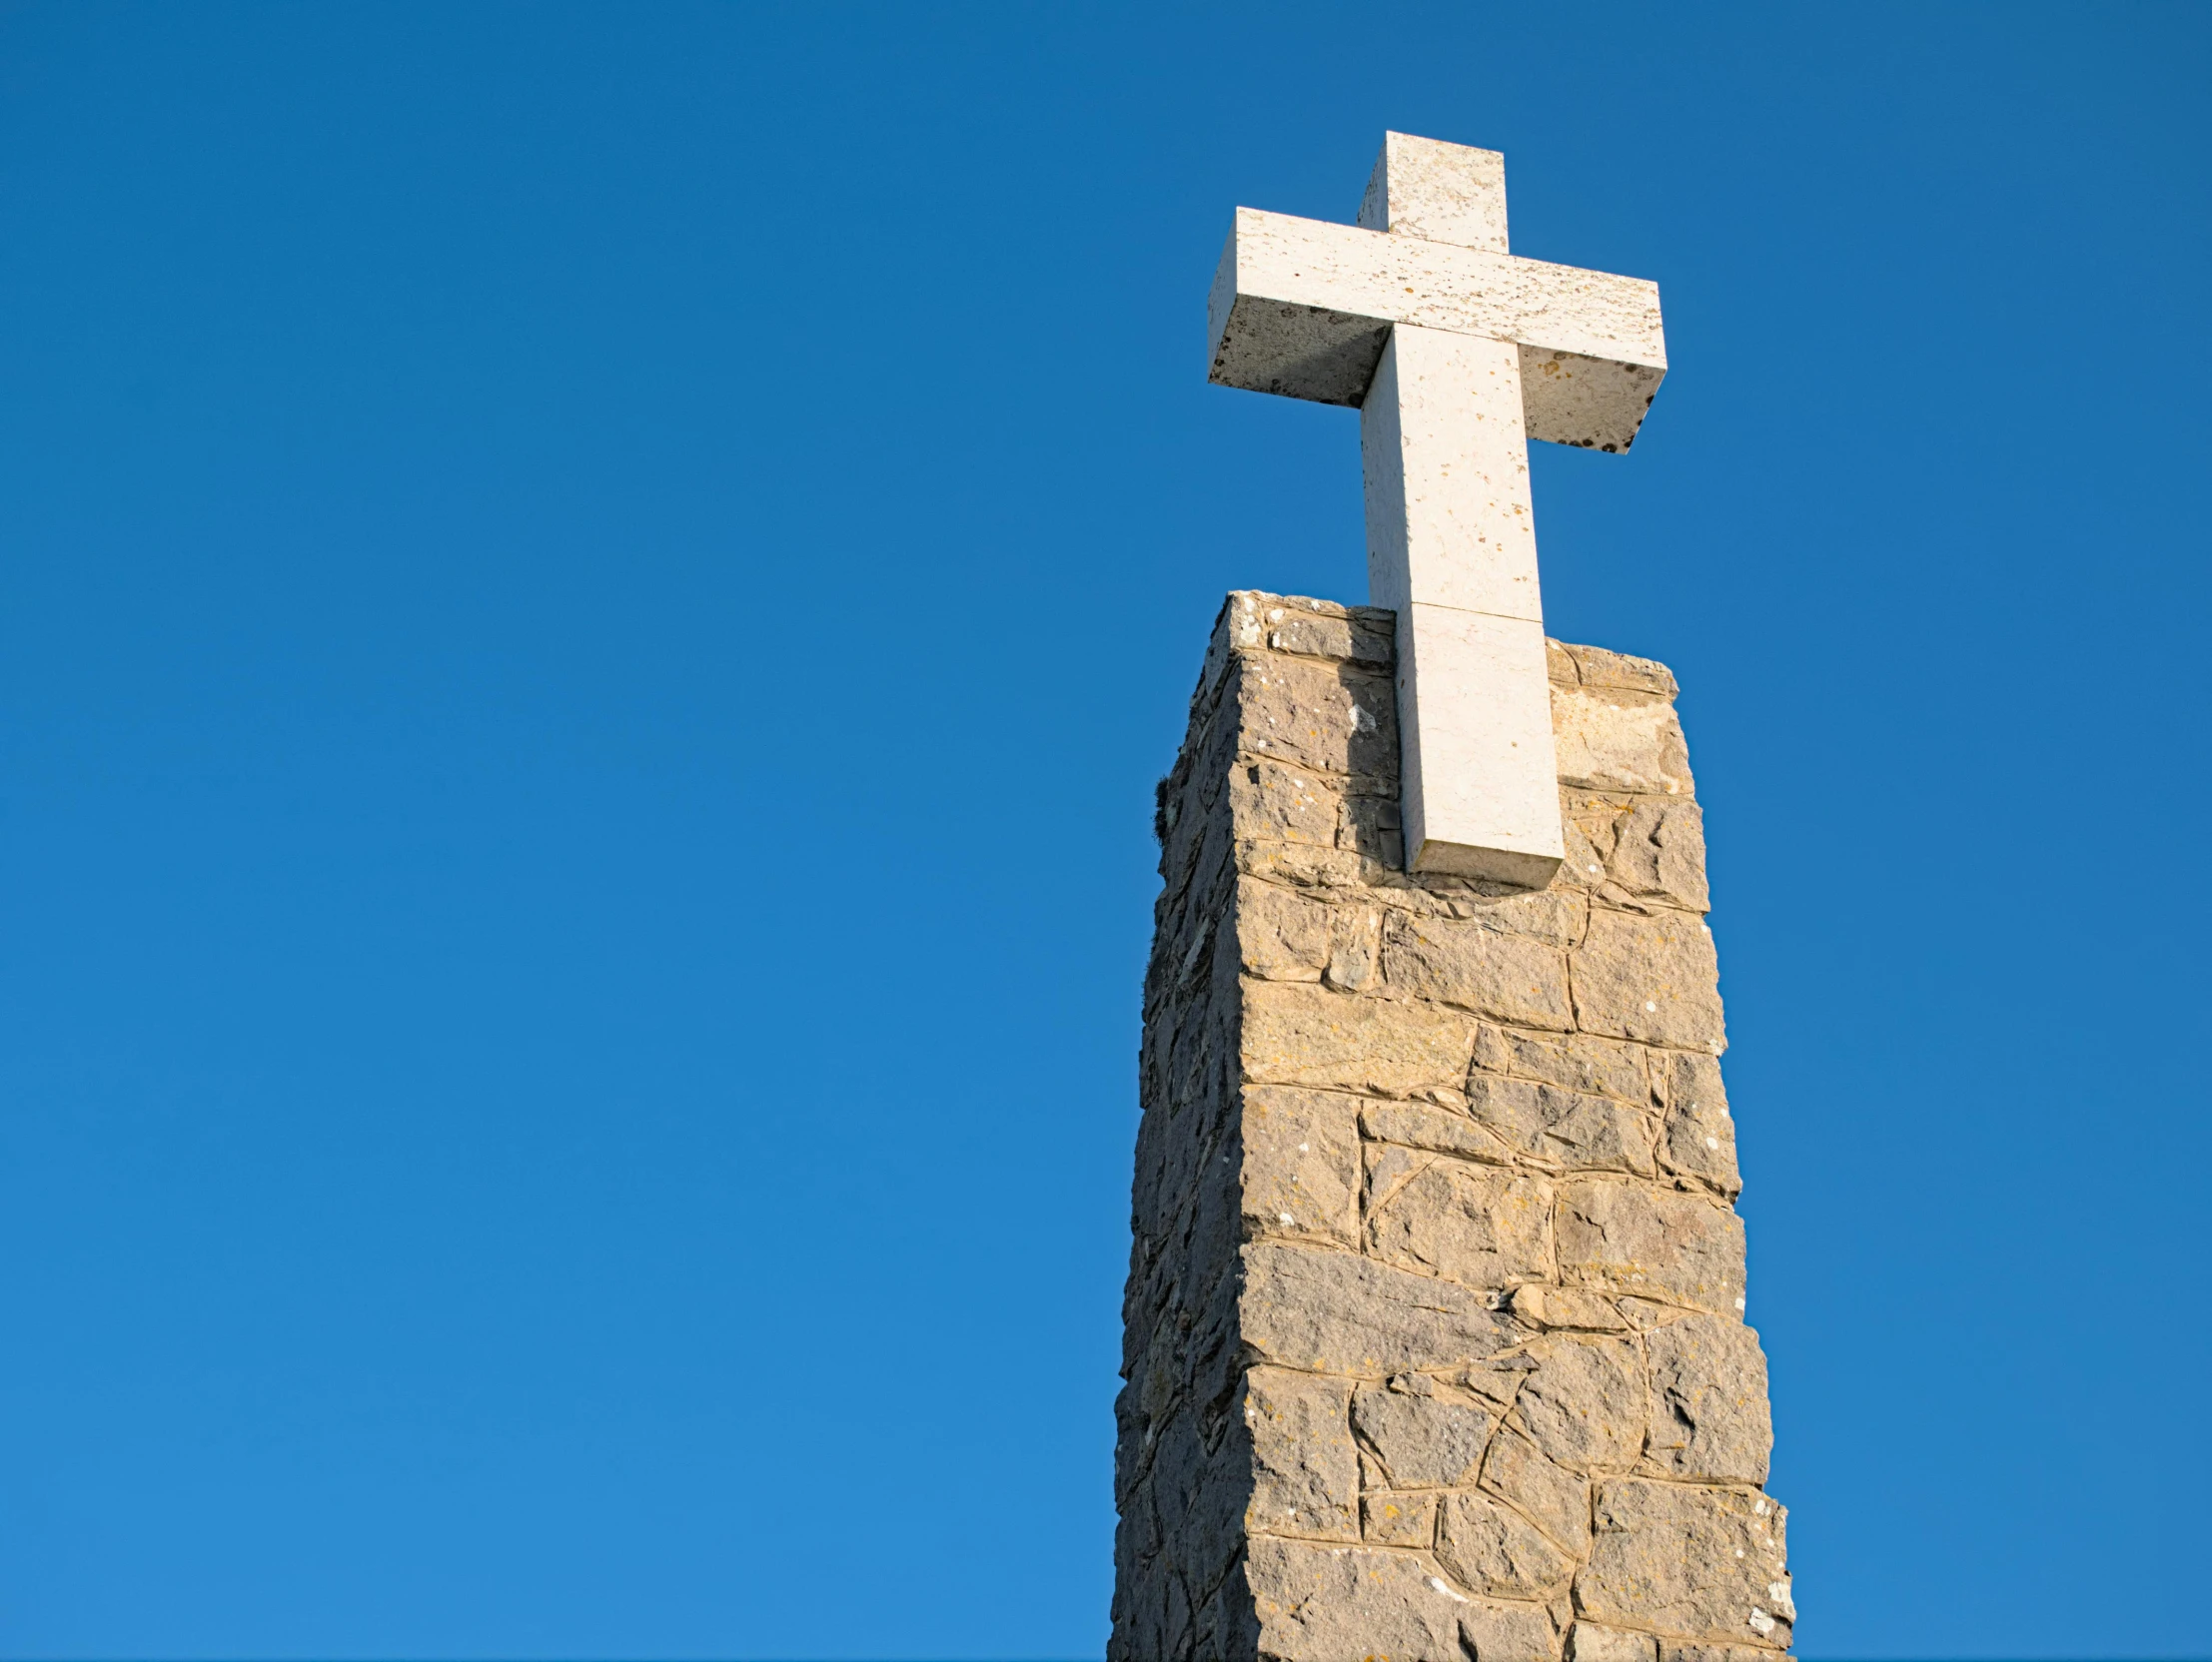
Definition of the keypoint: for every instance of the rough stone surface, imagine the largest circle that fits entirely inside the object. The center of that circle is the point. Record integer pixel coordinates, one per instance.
(1474, 966)
(1301, 1171)
(1688, 1562)
(1426, 1438)
(1631, 1238)
(1488, 1547)
(1516, 1470)
(1336, 1312)
(1434, 1330)
(1651, 978)
(1398, 1519)
(1700, 1138)
(1710, 1418)
(1473, 1224)
(1306, 1473)
(1301, 1034)
(1585, 1405)
(1349, 1602)
(1588, 1642)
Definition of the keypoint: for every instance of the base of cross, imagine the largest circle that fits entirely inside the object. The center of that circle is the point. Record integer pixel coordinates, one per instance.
(1475, 719)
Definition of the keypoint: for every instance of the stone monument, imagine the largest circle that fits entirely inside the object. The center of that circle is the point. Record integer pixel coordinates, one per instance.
(1435, 1344)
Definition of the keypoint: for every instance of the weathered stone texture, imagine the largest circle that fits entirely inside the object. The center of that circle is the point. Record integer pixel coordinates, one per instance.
(1433, 1331)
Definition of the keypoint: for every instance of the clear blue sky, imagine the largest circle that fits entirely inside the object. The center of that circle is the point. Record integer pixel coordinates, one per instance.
(593, 597)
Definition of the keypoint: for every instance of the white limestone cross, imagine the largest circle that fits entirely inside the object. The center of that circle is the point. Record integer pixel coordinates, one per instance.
(1456, 353)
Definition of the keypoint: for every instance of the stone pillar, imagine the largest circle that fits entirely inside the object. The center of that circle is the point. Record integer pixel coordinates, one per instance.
(1433, 1331)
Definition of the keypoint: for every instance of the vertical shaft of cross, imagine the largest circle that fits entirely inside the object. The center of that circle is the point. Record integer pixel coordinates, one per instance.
(1451, 535)
(1452, 550)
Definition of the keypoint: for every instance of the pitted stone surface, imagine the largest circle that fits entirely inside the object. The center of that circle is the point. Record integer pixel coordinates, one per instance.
(1435, 1340)
(1588, 1642)
(1306, 1473)
(1709, 1421)
(1488, 1547)
(1632, 1238)
(1688, 1562)
(1425, 1437)
(1473, 1224)
(1516, 1470)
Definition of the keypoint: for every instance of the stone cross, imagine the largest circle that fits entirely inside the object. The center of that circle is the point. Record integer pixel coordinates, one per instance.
(1456, 352)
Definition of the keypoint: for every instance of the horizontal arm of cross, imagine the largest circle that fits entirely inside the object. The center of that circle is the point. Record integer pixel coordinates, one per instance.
(1303, 307)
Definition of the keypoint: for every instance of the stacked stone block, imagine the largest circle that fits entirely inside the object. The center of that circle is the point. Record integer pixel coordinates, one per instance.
(1433, 1331)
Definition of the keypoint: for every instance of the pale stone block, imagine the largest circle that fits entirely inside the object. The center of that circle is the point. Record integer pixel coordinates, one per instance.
(1475, 1225)
(1449, 526)
(1355, 948)
(1558, 917)
(1660, 849)
(1426, 1439)
(1447, 476)
(1588, 829)
(1516, 1471)
(1299, 865)
(1301, 1171)
(1332, 1312)
(1494, 1632)
(1566, 1306)
(1478, 779)
(1653, 979)
(1588, 1642)
(1608, 741)
(1688, 1562)
(1448, 193)
(1294, 1034)
(1408, 1520)
(1440, 1130)
(1586, 1406)
(1281, 934)
(1567, 1129)
(1495, 1379)
(1283, 804)
(1597, 668)
(1710, 1419)
(1386, 1168)
(1601, 1067)
(1624, 1238)
(1361, 640)
(1344, 1604)
(1303, 307)
(1321, 716)
(1506, 977)
(1487, 1547)
(1559, 663)
(1699, 1135)
(1306, 1471)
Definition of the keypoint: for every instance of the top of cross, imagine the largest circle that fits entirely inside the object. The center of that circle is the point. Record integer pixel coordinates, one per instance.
(1443, 193)
(1303, 307)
